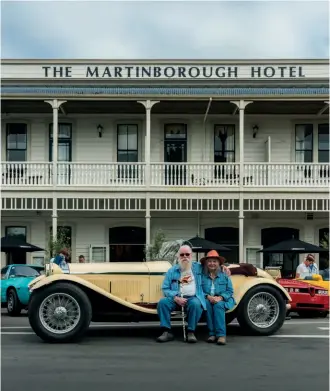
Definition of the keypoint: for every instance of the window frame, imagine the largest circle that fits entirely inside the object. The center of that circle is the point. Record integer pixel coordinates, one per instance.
(230, 151)
(311, 150)
(8, 125)
(128, 150)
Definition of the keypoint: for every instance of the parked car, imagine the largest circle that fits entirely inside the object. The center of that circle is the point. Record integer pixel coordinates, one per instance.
(308, 298)
(64, 302)
(15, 279)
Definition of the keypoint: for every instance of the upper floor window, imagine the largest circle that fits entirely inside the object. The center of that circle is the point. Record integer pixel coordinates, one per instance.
(224, 143)
(323, 143)
(16, 142)
(304, 143)
(127, 143)
(64, 142)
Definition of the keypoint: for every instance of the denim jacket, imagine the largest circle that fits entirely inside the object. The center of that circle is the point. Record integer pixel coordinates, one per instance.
(222, 287)
(171, 286)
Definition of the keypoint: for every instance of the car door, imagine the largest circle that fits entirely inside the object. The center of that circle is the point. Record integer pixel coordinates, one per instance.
(4, 282)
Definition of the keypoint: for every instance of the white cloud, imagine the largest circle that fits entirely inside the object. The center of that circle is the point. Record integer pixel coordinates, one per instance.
(169, 29)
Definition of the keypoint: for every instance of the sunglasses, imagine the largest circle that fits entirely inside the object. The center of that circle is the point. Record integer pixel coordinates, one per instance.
(185, 255)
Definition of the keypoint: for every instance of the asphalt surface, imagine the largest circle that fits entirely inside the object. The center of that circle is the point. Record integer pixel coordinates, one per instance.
(125, 357)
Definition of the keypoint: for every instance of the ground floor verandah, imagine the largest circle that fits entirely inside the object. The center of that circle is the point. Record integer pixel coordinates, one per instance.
(121, 236)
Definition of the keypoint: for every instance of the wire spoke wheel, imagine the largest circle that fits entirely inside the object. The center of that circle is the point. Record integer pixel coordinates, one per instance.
(263, 310)
(59, 313)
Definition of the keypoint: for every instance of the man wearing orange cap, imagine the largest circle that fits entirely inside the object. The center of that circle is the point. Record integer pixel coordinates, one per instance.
(188, 274)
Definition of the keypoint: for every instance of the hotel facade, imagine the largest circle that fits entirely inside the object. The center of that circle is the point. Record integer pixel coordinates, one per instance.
(112, 151)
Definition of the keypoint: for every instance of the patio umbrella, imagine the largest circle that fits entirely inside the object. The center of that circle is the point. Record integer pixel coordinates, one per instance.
(294, 246)
(12, 244)
(201, 245)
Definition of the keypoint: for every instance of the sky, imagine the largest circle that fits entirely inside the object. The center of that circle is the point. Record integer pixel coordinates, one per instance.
(164, 29)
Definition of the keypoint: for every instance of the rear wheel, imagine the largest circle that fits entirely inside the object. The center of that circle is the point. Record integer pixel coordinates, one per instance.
(14, 306)
(60, 312)
(262, 311)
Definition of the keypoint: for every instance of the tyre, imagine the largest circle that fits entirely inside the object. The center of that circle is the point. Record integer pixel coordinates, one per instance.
(262, 310)
(14, 306)
(60, 312)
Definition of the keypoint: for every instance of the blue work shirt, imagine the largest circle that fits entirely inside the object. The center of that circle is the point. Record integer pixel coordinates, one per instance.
(222, 287)
(171, 288)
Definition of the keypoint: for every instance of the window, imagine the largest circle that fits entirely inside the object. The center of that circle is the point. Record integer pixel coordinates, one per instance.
(224, 143)
(127, 143)
(323, 143)
(304, 143)
(19, 232)
(4, 271)
(16, 142)
(64, 148)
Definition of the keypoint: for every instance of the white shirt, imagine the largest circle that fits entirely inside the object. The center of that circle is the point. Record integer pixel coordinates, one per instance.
(303, 271)
(189, 289)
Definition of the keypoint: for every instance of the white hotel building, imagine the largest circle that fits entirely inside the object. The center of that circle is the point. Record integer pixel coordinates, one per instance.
(235, 151)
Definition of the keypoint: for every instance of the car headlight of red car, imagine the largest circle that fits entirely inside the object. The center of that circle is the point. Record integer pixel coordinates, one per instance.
(321, 292)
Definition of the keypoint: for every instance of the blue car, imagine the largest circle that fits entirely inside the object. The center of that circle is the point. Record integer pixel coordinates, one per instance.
(14, 286)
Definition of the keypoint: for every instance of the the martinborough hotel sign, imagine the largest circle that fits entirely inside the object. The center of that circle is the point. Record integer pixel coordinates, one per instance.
(163, 71)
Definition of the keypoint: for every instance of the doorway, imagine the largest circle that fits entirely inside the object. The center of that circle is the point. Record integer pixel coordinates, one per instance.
(175, 151)
(228, 237)
(272, 236)
(18, 256)
(127, 244)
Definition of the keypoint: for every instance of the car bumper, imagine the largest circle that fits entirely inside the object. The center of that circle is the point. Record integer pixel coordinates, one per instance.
(301, 302)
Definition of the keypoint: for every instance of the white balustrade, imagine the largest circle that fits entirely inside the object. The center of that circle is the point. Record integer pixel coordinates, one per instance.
(198, 175)
(286, 175)
(101, 174)
(26, 174)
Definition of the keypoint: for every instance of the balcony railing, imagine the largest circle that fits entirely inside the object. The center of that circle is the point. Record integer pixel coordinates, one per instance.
(198, 175)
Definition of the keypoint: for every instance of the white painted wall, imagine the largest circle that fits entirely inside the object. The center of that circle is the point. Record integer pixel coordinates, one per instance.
(88, 147)
(91, 229)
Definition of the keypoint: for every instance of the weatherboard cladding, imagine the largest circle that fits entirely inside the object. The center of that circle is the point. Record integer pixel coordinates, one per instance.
(179, 91)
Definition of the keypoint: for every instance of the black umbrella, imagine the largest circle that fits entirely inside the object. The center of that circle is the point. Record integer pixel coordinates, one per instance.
(13, 244)
(201, 245)
(294, 246)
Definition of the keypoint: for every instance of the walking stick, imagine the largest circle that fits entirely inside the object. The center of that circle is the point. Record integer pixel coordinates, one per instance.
(183, 315)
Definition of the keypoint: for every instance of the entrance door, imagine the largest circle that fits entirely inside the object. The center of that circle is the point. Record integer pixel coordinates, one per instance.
(228, 237)
(19, 256)
(175, 151)
(127, 244)
(288, 262)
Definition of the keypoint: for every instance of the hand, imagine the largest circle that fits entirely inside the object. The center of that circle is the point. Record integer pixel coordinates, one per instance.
(180, 301)
(226, 270)
(218, 298)
(211, 299)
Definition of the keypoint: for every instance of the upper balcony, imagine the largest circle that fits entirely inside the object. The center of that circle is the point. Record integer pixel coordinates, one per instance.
(164, 176)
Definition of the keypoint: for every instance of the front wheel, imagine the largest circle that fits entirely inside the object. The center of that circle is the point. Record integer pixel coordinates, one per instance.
(60, 312)
(14, 306)
(262, 310)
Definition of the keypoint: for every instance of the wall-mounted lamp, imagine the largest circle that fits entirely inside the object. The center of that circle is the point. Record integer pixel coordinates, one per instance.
(255, 130)
(100, 130)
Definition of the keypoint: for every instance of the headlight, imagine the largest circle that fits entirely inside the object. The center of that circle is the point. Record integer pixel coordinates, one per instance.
(322, 292)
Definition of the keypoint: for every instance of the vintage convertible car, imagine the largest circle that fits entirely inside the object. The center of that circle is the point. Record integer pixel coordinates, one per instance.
(64, 302)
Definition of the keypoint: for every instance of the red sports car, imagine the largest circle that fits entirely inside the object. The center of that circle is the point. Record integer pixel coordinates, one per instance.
(307, 300)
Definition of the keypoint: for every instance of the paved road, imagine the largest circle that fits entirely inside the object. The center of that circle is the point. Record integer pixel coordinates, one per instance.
(126, 357)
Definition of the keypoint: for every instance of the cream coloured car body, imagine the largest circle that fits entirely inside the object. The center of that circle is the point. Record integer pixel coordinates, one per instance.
(136, 284)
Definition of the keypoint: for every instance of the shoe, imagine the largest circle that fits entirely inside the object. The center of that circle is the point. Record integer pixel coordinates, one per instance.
(165, 337)
(221, 341)
(211, 339)
(191, 338)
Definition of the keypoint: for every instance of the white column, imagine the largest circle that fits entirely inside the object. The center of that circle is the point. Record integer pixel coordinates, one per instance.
(148, 104)
(55, 106)
(241, 104)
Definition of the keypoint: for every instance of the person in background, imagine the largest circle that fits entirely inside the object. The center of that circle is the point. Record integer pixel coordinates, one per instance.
(307, 268)
(81, 259)
(218, 290)
(61, 258)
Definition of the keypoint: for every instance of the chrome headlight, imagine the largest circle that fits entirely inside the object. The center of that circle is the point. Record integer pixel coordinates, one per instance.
(321, 292)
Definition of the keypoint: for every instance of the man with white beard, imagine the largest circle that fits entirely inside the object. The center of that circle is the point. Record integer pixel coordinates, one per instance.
(188, 273)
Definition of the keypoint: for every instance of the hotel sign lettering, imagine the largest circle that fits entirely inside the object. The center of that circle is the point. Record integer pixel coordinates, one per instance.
(175, 72)
(130, 71)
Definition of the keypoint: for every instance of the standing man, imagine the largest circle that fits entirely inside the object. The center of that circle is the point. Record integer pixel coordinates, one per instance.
(193, 297)
(307, 268)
